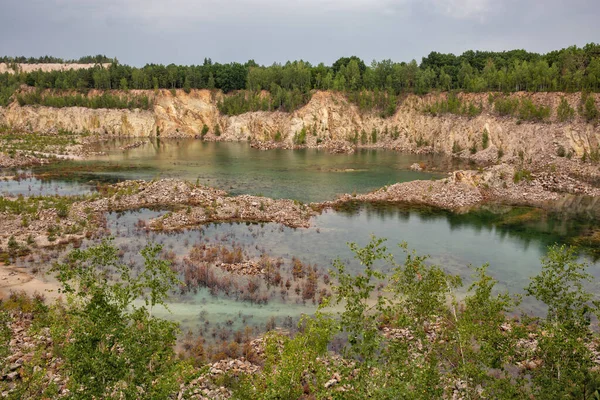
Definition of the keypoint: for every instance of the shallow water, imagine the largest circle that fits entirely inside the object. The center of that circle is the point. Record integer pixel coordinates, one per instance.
(511, 240)
(32, 186)
(306, 175)
(456, 242)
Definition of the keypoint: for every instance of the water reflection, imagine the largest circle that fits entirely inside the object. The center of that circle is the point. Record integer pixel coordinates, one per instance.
(306, 175)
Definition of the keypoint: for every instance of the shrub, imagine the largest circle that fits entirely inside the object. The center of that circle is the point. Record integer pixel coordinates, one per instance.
(565, 112)
(522, 174)
(204, 131)
(105, 318)
(530, 112)
(485, 139)
(300, 137)
(363, 137)
(590, 112)
(105, 100)
(505, 106)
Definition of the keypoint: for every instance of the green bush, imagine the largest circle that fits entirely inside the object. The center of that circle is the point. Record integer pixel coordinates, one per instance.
(300, 137)
(105, 100)
(565, 112)
(204, 131)
(505, 106)
(453, 105)
(485, 139)
(363, 137)
(530, 112)
(116, 345)
(408, 336)
(590, 111)
(521, 175)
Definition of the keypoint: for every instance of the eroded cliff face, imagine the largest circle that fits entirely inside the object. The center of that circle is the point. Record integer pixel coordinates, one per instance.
(330, 117)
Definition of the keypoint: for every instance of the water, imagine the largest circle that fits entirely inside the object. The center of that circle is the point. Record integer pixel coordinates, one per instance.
(32, 186)
(458, 243)
(306, 175)
(511, 240)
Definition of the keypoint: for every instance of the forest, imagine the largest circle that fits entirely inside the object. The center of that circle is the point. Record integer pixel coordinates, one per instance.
(571, 69)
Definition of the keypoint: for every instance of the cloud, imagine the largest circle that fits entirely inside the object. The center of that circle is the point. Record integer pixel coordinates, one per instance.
(185, 31)
(179, 13)
(463, 9)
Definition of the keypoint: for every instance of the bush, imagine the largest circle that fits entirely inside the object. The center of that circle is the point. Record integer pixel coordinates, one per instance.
(378, 100)
(105, 318)
(453, 105)
(530, 112)
(505, 106)
(590, 112)
(485, 139)
(565, 112)
(205, 130)
(522, 174)
(388, 326)
(300, 137)
(105, 100)
(363, 137)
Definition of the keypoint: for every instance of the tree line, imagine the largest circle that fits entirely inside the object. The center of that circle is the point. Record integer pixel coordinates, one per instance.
(97, 59)
(570, 69)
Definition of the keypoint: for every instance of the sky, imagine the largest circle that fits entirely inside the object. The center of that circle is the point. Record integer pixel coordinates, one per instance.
(186, 31)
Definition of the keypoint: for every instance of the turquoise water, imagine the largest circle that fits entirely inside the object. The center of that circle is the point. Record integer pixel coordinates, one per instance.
(511, 240)
(456, 242)
(306, 175)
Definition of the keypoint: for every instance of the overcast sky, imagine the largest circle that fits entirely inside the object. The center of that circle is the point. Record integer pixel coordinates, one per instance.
(185, 31)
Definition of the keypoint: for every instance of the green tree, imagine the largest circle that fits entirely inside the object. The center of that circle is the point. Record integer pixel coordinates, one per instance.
(116, 345)
(560, 286)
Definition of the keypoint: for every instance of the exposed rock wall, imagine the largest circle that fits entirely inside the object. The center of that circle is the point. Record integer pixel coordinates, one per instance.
(328, 117)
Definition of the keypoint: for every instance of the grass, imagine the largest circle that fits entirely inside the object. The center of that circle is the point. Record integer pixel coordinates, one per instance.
(12, 142)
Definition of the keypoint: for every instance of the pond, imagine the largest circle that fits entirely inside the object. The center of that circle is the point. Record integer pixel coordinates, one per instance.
(511, 240)
(306, 175)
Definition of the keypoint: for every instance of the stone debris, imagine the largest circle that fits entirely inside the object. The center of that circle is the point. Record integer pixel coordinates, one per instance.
(133, 145)
(244, 268)
(337, 147)
(22, 349)
(20, 160)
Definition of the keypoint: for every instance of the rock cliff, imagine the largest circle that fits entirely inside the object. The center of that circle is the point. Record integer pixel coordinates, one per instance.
(330, 118)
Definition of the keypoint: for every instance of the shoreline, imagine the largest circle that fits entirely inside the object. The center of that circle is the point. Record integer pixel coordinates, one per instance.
(18, 279)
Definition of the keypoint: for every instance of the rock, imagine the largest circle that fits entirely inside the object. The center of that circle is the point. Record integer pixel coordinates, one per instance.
(13, 376)
(330, 383)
